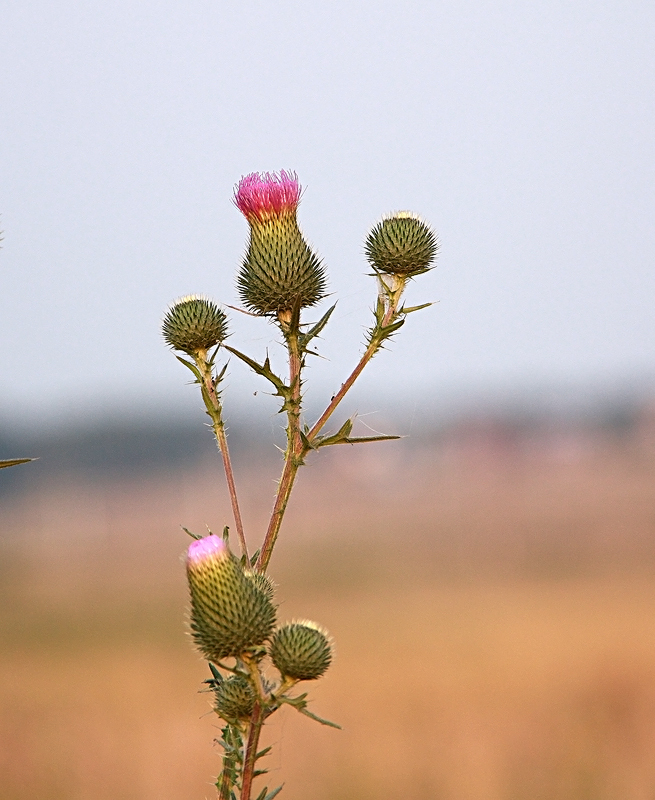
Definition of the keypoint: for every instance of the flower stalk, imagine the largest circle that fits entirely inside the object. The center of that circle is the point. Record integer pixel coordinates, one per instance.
(233, 613)
(210, 395)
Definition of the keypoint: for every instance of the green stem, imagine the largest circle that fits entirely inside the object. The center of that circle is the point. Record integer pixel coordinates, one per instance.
(213, 405)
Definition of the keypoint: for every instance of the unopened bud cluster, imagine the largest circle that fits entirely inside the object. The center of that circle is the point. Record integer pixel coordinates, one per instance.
(232, 614)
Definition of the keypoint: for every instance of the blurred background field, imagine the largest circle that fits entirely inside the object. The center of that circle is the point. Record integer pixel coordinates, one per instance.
(489, 578)
(488, 581)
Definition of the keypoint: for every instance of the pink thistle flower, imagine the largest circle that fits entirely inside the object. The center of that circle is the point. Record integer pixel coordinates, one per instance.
(268, 195)
(202, 550)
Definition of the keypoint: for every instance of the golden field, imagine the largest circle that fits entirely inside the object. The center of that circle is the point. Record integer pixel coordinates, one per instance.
(492, 602)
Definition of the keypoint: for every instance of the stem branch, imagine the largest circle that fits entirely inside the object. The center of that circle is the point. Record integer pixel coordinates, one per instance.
(213, 405)
(391, 289)
(391, 296)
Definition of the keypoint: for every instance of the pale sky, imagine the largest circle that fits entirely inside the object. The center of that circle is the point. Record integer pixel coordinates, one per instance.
(523, 132)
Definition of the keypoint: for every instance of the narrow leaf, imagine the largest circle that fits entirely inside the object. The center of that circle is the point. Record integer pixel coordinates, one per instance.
(362, 439)
(312, 333)
(220, 375)
(12, 462)
(340, 437)
(409, 310)
(191, 366)
(195, 536)
(274, 793)
(319, 719)
(389, 329)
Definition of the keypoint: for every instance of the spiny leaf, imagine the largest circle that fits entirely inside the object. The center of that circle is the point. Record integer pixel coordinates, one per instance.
(195, 536)
(262, 369)
(306, 443)
(191, 366)
(305, 338)
(341, 436)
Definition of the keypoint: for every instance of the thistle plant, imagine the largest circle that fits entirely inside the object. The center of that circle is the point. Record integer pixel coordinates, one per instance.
(255, 665)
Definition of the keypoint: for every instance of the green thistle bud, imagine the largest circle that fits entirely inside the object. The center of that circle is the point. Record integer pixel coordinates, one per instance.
(235, 698)
(229, 614)
(262, 582)
(279, 271)
(194, 323)
(301, 650)
(402, 244)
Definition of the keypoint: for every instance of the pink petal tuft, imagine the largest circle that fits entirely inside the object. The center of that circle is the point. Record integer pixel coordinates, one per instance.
(210, 547)
(262, 196)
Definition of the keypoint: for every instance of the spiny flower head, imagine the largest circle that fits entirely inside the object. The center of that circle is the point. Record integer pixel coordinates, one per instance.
(203, 551)
(194, 323)
(280, 272)
(402, 244)
(267, 195)
(235, 698)
(301, 650)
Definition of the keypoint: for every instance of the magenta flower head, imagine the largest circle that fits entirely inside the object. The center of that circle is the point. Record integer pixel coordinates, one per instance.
(229, 613)
(204, 550)
(280, 272)
(267, 196)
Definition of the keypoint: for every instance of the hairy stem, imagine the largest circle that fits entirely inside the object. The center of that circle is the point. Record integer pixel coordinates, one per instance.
(213, 405)
(293, 457)
(255, 728)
